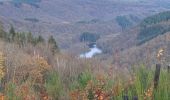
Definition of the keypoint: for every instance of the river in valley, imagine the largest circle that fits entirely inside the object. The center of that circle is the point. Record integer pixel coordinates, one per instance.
(92, 52)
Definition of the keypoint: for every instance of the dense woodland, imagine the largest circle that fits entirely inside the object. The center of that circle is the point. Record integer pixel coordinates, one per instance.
(33, 68)
(41, 42)
(23, 39)
(153, 26)
(163, 16)
(89, 37)
(123, 21)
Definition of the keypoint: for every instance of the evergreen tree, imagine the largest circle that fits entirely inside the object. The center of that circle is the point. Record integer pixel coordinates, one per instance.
(12, 33)
(37, 40)
(2, 32)
(22, 39)
(40, 39)
(30, 37)
(34, 41)
(53, 44)
(17, 38)
(123, 21)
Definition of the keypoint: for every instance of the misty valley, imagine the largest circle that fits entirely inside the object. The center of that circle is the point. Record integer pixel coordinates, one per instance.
(84, 49)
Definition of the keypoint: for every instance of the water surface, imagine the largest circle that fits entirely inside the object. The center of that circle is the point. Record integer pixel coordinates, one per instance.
(93, 51)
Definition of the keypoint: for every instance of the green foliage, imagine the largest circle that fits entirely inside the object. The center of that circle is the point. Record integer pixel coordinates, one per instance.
(30, 37)
(53, 85)
(160, 17)
(2, 32)
(10, 92)
(20, 38)
(123, 21)
(40, 39)
(84, 78)
(12, 33)
(149, 33)
(53, 45)
(34, 40)
(144, 77)
(37, 40)
(140, 85)
(24, 38)
(151, 27)
(81, 81)
(163, 90)
(89, 37)
(144, 80)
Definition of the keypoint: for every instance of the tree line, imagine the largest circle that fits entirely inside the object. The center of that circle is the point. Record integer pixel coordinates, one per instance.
(89, 37)
(153, 26)
(24, 38)
(160, 17)
(123, 21)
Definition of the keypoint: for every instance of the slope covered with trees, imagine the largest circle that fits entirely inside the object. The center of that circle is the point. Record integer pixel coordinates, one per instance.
(153, 26)
(123, 21)
(24, 39)
(160, 17)
(32, 69)
(73, 17)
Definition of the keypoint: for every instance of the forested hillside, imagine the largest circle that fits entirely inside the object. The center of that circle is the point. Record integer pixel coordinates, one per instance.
(149, 37)
(32, 68)
(72, 18)
(153, 26)
(84, 50)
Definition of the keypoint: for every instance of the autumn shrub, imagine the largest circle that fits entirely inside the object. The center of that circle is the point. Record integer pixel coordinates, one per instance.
(33, 76)
(140, 85)
(90, 87)
(23, 91)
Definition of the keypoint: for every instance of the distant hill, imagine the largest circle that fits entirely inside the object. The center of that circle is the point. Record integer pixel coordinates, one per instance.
(155, 19)
(67, 20)
(153, 26)
(151, 35)
(147, 52)
(134, 41)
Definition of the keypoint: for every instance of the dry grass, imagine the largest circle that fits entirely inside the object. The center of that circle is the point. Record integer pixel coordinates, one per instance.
(33, 73)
